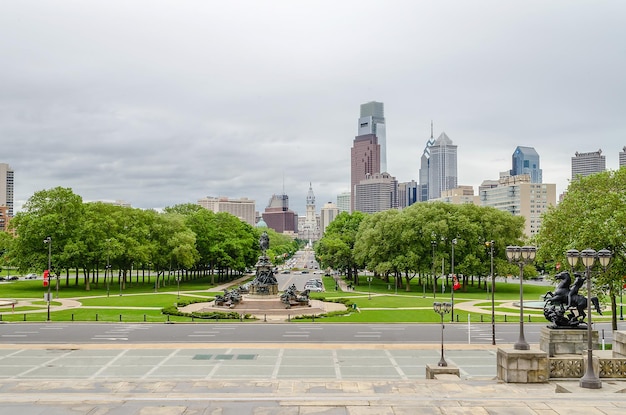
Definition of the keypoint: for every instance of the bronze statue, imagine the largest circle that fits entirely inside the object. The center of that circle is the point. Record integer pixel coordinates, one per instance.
(565, 308)
(264, 242)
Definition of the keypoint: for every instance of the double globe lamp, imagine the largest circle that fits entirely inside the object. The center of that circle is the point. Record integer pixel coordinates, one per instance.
(588, 256)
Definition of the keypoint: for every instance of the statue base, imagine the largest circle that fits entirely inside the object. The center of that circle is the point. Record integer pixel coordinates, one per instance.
(566, 341)
(263, 289)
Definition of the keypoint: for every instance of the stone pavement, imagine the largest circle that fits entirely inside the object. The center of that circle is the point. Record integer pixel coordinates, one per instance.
(184, 379)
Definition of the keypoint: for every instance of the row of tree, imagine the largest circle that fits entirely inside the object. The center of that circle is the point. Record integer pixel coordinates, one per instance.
(86, 237)
(420, 240)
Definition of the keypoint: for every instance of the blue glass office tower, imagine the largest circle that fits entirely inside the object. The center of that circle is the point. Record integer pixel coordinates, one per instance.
(526, 161)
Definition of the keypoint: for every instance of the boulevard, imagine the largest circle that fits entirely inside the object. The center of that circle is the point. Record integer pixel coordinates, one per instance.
(262, 333)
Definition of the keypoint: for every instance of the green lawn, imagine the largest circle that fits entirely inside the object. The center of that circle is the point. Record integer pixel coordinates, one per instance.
(378, 304)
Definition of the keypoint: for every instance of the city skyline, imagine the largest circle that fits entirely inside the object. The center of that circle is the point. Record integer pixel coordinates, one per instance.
(259, 100)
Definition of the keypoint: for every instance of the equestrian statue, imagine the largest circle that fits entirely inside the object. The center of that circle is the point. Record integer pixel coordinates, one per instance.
(564, 307)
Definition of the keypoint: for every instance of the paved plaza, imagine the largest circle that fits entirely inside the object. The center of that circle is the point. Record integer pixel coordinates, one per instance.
(217, 379)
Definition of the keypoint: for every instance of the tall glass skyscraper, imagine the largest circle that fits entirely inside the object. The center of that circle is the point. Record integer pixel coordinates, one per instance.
(442, 167)
(372, 121)
(526, 161)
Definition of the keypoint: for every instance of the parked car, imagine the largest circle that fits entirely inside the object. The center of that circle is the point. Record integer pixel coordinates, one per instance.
(13, 278)
(31, 276)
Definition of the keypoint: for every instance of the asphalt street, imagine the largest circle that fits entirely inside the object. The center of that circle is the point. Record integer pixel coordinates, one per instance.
(259, 332)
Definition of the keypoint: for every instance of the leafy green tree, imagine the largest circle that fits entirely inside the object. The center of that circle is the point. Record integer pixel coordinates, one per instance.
(56, 213)
(419, 238)
(6, 242)
(336, 247)
(592, 215)
(185, 209)
(379, 244)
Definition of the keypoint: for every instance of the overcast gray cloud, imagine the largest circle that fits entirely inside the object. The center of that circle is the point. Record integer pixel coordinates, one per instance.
(164, 102)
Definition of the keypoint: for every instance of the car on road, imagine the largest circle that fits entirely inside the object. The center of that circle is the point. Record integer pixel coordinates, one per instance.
(13, 278)
(31, 277)
(313, 287)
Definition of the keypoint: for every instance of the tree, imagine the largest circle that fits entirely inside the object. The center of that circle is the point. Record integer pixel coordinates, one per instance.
(592, 214)
(56, 213)
(337, 244)
(6, 242)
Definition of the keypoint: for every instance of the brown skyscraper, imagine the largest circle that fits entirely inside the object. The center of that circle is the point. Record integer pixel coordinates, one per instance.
(365, 159)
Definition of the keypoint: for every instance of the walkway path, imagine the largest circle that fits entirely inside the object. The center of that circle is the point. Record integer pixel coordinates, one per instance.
(177, 379)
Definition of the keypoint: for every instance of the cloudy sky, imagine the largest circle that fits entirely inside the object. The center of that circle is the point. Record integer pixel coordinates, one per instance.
(164, 102)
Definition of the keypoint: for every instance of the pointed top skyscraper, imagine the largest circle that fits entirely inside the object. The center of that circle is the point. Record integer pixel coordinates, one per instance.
(442, 170)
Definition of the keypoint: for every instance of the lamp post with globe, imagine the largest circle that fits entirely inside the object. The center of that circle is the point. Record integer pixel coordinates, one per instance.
(588, 256)
(441, 309)
(521, 255)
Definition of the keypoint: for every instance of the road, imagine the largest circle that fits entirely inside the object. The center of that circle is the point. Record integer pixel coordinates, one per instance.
(98, 333)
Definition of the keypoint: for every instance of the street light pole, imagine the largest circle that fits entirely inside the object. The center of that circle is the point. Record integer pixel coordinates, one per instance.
(441, 309)
(107, 270)
(452, 271)
(521, 255)
(493, 289)
(48, 241)
(434, 244)
(588, 256)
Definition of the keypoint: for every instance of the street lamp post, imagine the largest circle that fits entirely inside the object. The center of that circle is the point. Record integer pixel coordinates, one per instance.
(521, 255)
(441, 309)
(107, 270)
(369, 288)
(48, 241)
(156, 278)
(434, 245)
(493, 302)
(588, 256)
(452, 271)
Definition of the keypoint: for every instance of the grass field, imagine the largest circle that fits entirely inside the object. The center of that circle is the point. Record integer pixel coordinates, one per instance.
(379, 302)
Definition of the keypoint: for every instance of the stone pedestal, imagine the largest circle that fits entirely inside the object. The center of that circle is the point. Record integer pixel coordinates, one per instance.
(264, 290)
(432, 371)
(619, 344)
(566, 341)
(523, 366)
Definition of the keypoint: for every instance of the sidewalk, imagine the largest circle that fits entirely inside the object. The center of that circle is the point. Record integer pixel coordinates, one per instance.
(301, 397)
(224, 379)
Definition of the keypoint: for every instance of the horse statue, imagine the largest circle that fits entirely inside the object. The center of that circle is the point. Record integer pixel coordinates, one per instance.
(565, 308)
